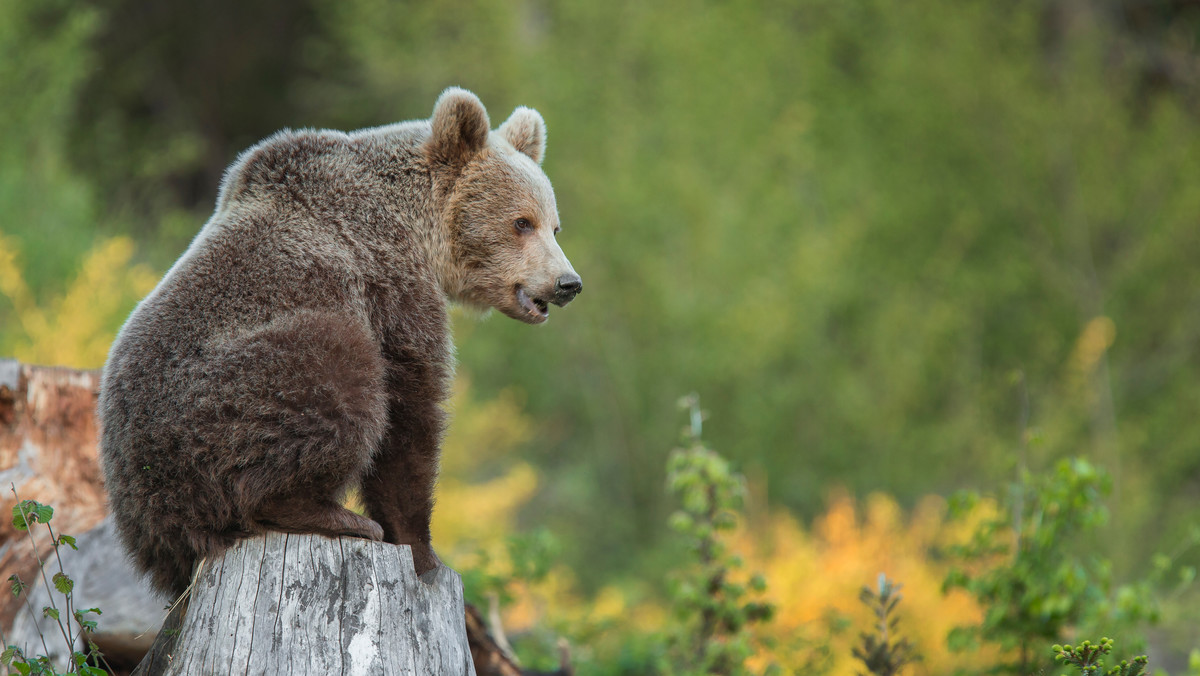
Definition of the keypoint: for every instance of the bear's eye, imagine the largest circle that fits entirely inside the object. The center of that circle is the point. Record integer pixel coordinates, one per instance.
(523, 225)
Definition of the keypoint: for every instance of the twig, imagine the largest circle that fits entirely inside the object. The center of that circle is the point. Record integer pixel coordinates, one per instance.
(70, 604)
(564, 657)
(497, 629)
(42, 571)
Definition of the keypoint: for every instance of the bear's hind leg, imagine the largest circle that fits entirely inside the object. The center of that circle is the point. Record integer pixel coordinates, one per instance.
(304, 514)
(294, 411)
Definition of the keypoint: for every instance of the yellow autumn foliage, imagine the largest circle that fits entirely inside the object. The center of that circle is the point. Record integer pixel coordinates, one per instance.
(474, 512)
(814, 576)
(76, 327)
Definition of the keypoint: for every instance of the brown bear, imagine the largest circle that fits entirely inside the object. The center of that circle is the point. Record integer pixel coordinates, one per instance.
(300, 346)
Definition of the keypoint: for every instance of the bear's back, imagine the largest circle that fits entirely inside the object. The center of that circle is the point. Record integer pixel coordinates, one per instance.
(278, 243)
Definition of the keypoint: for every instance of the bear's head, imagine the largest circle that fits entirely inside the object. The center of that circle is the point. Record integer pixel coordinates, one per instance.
(500, 214)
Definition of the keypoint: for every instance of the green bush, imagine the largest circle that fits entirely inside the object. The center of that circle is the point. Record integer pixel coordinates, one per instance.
(1035, 569)
(713, 611)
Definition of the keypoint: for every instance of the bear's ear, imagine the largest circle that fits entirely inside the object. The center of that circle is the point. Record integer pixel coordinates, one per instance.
(526, 131)
(460, 125)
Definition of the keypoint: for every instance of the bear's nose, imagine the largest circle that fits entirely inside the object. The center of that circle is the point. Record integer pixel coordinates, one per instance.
(567, 287)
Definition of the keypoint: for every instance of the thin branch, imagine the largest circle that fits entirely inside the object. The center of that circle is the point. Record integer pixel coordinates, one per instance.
(497, 629)
(42, 571)
(68, 596)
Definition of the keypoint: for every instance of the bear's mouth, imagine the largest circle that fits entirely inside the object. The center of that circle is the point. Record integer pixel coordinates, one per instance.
(536, 309)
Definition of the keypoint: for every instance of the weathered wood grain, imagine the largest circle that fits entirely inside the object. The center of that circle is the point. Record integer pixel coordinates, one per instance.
(307, 604)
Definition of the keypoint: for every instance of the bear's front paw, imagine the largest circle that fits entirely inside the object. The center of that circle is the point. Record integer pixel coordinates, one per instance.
(424, 560)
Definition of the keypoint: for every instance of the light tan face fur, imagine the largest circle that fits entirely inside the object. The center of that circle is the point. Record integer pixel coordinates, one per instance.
(503, 222)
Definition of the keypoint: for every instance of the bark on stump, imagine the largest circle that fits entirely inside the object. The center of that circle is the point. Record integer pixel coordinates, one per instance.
(307, 604)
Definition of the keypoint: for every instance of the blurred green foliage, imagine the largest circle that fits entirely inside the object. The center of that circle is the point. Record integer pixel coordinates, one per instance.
(1042, 576)
(846, 225)
(713, 608)
(893, 243)
(43, 200)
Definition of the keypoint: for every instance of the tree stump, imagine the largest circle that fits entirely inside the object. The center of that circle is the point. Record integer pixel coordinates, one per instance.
(308, 604)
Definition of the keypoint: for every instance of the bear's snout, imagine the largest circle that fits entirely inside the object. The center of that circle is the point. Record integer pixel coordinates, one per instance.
(566, 288)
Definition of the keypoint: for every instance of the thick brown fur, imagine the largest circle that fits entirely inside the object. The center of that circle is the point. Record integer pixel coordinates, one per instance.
(300, 346)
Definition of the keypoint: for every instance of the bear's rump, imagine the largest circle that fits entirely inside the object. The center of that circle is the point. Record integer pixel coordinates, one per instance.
(296, 406)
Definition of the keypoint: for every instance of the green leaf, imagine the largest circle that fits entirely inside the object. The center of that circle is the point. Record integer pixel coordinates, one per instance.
(19, 520)
(26, 512)
(17, 585)
(47, 611)
(67, 540)
(9, 653)
(63, 583)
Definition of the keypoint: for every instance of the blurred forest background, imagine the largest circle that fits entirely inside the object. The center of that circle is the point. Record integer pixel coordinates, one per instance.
(898, 248)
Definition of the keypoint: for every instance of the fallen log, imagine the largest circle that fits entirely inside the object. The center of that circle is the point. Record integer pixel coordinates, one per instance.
(48, 453)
